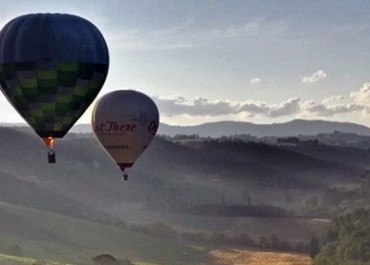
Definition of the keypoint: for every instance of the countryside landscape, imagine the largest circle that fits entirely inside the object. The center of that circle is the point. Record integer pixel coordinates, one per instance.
(189, 200)
(184, 132)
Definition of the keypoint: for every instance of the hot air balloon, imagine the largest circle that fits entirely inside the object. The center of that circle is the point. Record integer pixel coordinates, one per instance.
(52, 66)
(125, 122)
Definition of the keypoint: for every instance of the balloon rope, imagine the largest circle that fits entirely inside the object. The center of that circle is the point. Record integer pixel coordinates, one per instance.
(125, 174)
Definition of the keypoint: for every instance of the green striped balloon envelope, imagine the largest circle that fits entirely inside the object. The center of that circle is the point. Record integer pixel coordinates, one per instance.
(52, 66)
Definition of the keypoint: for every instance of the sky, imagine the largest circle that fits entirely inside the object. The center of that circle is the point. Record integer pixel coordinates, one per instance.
(203, 61)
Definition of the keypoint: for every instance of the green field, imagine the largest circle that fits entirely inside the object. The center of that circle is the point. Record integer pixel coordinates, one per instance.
(15, 260)
(48, 236)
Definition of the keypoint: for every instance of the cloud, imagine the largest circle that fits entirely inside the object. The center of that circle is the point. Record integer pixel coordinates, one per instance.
(289, 107)
(358, 101)
(253, 27)
(191, 33)
(203, 107)
(284, 108)
(332, 99)
(295, 107)
(135, 39)
(253, 108)
(258, 26)
(197, 107)
(174, 37)
(323, 110)
(361, 96)
(320, 74)
(256, 80)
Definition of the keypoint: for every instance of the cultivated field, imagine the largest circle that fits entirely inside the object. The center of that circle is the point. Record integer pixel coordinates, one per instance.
(253, 257)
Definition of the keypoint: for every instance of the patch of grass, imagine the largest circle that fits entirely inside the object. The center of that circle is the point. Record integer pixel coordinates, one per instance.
(24, 260)
(50, 236)
(254, 257)
(145, 263)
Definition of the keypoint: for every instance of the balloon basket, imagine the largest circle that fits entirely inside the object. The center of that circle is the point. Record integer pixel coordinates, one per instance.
(51, 157)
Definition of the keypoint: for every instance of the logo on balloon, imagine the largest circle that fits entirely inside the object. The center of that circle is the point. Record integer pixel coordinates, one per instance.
(117, 146)
(114, 127)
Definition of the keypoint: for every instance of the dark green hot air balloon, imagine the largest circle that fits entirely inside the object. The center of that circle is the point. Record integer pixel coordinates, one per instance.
(52, 66)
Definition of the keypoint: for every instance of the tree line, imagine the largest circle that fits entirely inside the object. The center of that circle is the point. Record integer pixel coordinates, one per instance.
(346, 241)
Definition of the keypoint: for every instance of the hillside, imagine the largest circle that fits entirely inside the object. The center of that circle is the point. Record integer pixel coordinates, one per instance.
(84, 172)
(228, 128)
(292, 128)
(170, 182)
(47, 236)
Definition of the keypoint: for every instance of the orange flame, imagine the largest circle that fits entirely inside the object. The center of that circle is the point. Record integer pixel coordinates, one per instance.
(49, 141)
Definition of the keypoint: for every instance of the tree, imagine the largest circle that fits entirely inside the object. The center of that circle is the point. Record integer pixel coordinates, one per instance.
(104, 259)
(275, 241)
(314, 247)
(346, 242)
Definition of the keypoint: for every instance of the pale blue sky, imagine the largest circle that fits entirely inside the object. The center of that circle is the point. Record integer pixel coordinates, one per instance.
(257, 61)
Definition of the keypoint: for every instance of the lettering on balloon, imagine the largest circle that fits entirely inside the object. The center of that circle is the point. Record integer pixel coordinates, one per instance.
(115, 127)
(117, 146)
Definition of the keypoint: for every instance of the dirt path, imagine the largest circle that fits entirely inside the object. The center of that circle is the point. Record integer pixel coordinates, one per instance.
(253, 257)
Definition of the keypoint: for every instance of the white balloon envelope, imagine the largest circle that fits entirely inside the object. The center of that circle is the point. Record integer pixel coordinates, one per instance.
(125, 122)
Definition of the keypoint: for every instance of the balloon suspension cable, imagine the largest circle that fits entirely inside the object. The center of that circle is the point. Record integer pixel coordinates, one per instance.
(124, 173)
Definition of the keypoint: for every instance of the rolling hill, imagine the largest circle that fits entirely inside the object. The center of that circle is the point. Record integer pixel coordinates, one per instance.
(76, 204)
(292, 128)
(85, 173)
(228, 128)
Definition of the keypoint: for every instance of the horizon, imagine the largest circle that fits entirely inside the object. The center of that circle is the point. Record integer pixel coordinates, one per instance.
(213, 122)
(246, 61)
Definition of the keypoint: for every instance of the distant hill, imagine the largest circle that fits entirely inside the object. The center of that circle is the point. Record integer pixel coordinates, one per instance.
(169, 168)
(292, 128)
(228, 128)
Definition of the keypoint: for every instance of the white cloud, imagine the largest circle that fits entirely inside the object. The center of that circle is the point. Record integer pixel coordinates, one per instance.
(320, 74)
(190, 33)
(285, 108)
(203, 107)
(257, 26)
(256, 80)
(361, 96)
(197, 107)
(312, 108)
(357, 101)
(253, 108)
(332, 99)
(147, 40)
(251, 28)
(294, 107)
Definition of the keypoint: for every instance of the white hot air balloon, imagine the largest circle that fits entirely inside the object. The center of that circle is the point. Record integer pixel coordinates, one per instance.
(125, 122)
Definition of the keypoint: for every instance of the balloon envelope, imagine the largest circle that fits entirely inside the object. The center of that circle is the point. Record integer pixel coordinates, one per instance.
(125, 123)
(52, 66)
